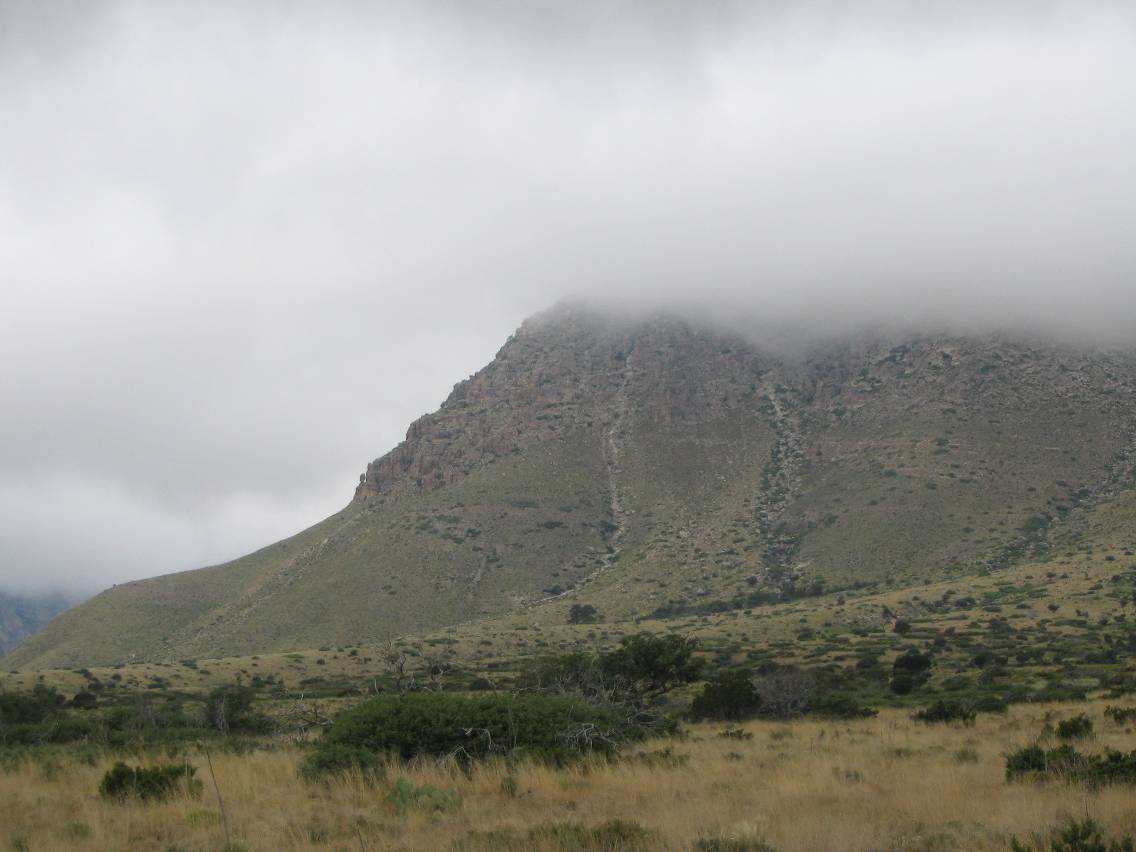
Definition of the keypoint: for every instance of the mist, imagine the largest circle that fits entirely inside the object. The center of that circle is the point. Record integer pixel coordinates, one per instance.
(242, 246)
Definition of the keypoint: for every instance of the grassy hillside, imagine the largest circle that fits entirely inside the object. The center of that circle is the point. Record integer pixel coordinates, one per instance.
(659, 470)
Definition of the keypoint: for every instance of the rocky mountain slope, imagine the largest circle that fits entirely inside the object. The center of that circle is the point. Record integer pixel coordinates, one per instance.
(661, 467)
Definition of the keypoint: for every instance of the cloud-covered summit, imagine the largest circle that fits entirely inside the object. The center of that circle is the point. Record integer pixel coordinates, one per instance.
(242, 246)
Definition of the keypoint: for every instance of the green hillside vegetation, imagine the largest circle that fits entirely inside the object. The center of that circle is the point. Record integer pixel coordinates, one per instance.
(676, 477)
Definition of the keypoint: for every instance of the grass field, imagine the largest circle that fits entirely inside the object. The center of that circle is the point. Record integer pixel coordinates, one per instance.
(886, 783)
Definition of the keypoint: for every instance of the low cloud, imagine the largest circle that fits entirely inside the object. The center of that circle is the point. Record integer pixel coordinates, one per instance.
(242, 246)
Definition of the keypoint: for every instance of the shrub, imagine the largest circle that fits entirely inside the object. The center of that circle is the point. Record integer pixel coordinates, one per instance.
(38, 705)
(150, 782)
(786, 692)
(583, 614)
(1076, 836)
(839, 705)
(1121, 715)
(229, 708)
(729, 843)
(653, 664)
(910, 670)
(405, 796)
(75, 830)
(629, 680)
(902, 683)
(437, 724)
(1067, 764)
(730, 697)
(333, 759)
(946, 711)
(611, 835)
(1076, 728)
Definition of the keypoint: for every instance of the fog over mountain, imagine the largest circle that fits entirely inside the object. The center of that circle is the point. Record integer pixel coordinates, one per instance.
(242, 246)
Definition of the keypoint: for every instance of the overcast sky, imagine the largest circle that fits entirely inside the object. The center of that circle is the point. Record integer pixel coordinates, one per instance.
(243, 245)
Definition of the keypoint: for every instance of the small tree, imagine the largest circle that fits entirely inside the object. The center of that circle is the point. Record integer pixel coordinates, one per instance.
(653, 664)
(786, 693)
(229, 708)
(730, 697)
(583, 614)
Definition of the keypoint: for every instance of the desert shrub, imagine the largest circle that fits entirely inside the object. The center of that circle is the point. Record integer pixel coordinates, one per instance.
(786, 692)
(147, 782)
(84, 700)
(406, 796)
(1121, 715)
(989, 704)
(652, 664)
(54, 729)
(583, 614)
(902, 683)
(75, 830)
(663, 758)
(333, 759)
(841, 705)
(1067, 764)
(613, 836)
(1076, 836)
(23, 708)
(910, 670)
(1076, 728)
(946, 711)
(730, 697)
(437, 724)
(729, 843)
(736, 734)
(230, 708)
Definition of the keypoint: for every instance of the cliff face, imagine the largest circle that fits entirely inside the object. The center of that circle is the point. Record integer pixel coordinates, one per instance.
(659, 466)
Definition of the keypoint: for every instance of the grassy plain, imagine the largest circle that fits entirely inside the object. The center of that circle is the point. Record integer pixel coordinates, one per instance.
(886, 783)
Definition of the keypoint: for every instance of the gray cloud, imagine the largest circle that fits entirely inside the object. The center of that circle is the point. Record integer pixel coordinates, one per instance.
(243, 245)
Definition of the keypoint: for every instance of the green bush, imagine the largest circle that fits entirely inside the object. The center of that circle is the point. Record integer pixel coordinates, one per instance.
(23, 708)
(653, 664)
(731, 844)
(583, 614)
(436, 724)
(332, 759)
(1121, 715)
(1067, 764)
(947, 711)
(1076, 836)
(730, 697)
(614, 836)
(230, 708)
(406, 796)
(840, 705)
(123, 782)
(1076, 728)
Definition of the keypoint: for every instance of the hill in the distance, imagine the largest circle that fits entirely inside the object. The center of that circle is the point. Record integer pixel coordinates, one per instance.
(660, 467)
(21, 615)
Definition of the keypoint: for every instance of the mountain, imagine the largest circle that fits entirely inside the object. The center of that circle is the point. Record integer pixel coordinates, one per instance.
(662, 466)
(23, 615)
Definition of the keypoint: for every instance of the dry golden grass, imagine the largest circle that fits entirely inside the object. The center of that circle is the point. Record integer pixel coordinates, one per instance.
(880, 784)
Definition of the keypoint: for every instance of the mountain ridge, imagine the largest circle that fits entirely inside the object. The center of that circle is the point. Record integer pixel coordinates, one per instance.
(655, 465)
